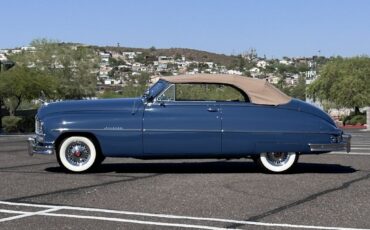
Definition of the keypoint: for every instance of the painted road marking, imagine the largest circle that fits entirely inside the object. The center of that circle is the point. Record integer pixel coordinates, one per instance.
(351, 153)
(28, 214)
(155, 223)
(53, 208)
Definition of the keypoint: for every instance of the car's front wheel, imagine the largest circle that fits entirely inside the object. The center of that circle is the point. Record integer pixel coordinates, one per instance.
(77, 154)
(277, 162)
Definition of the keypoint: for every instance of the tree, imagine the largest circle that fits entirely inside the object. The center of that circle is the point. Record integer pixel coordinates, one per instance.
(22, 83)
(344, 82)
(299, 90)
(152, 49)
(74, 67)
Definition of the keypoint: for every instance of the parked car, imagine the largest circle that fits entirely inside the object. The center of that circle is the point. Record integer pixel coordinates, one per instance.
(188, 116)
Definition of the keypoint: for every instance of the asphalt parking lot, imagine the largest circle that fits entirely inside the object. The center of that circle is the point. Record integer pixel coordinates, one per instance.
(330, 191)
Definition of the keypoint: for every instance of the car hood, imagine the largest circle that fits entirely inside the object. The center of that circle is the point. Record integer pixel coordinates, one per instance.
(79, 106)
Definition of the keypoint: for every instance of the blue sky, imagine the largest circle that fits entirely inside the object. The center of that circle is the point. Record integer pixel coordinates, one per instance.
(274, 28)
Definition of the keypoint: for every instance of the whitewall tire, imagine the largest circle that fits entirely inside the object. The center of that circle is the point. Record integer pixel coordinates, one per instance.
(77, 154)
(277, 162)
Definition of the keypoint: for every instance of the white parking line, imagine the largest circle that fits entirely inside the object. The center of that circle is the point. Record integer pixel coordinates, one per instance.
(28, 214)
(53, 208)
(45, 213)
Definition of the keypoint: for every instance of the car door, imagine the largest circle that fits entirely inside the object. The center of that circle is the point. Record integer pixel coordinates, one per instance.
(181, 128)
(238, 125)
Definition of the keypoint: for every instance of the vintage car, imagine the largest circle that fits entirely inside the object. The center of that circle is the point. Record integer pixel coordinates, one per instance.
(188, 116)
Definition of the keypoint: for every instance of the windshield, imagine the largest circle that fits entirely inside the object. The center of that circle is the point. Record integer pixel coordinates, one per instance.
(155, 89)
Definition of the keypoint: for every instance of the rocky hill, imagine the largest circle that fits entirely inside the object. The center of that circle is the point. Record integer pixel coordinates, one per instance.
(190, 54)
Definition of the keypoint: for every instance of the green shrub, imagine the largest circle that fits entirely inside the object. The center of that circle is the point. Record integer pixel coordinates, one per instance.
(358, 119)
(11, 124)
(354, 119)
(27, 124)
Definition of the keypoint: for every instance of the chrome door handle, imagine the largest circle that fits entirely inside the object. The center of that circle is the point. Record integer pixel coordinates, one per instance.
(210, 109)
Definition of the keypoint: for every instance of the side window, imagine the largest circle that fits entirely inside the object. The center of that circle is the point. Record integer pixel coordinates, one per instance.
(168, 94)
(209, 92)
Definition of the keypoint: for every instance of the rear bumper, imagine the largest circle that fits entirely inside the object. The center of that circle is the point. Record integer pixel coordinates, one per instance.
(35, 147)
(344, 145)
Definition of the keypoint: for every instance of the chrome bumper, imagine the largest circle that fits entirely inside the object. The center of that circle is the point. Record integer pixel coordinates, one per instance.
(35, 147)
(344, 145)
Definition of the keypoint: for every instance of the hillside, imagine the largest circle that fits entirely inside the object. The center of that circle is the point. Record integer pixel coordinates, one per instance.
(190, 54)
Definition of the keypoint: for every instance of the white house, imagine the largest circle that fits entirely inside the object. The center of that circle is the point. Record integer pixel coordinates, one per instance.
(261, 64)
(234, 72)
(16, 51)
(3, 57)
(136, 66)
(273, 79)
(104, 57)
(165, 60)
(28, 48)
(286, 62)
(210, 64)
(254, 71)
(110, 81)
(292, 80)
(129, 55)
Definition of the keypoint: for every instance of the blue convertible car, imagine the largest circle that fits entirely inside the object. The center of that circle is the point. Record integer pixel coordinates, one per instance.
(189, 116)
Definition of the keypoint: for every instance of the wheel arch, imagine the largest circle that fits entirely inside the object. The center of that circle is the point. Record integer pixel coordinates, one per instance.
(91, 136)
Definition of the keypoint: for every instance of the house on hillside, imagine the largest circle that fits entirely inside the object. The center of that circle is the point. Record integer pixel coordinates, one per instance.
(273, 79)
(234, 72)
(255, 71)
(136, 66)
(28, 48)
(165, 60)
(3, 57)
(292, 80)
(104, 57)
(130, 55)
(261, 64)
(286, 62)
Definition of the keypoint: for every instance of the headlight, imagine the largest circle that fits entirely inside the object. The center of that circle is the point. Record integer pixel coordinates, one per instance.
(38, 126)
(335, 138)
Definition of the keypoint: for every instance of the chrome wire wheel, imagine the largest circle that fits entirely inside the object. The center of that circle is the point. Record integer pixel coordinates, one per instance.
(277, 158)
(277, 162)
(77, 154)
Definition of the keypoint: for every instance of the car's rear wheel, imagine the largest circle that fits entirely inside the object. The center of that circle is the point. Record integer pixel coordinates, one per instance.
(78, 154)
(277, 162)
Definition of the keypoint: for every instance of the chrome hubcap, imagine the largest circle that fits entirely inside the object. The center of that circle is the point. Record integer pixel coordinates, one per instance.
(277, 158)
(77, 153)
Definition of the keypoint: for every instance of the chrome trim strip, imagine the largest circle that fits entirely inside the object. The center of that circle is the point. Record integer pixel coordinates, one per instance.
(78, 130)
(186, 130)
(282, 132)
(182, 130)
(231, 131)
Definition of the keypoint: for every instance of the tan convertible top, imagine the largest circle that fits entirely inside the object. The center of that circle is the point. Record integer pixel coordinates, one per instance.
(259, 91)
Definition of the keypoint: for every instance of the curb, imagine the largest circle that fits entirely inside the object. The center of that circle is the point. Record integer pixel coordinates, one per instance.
(10, 138)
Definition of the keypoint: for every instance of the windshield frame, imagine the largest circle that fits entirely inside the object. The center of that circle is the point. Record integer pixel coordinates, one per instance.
(153, 91)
